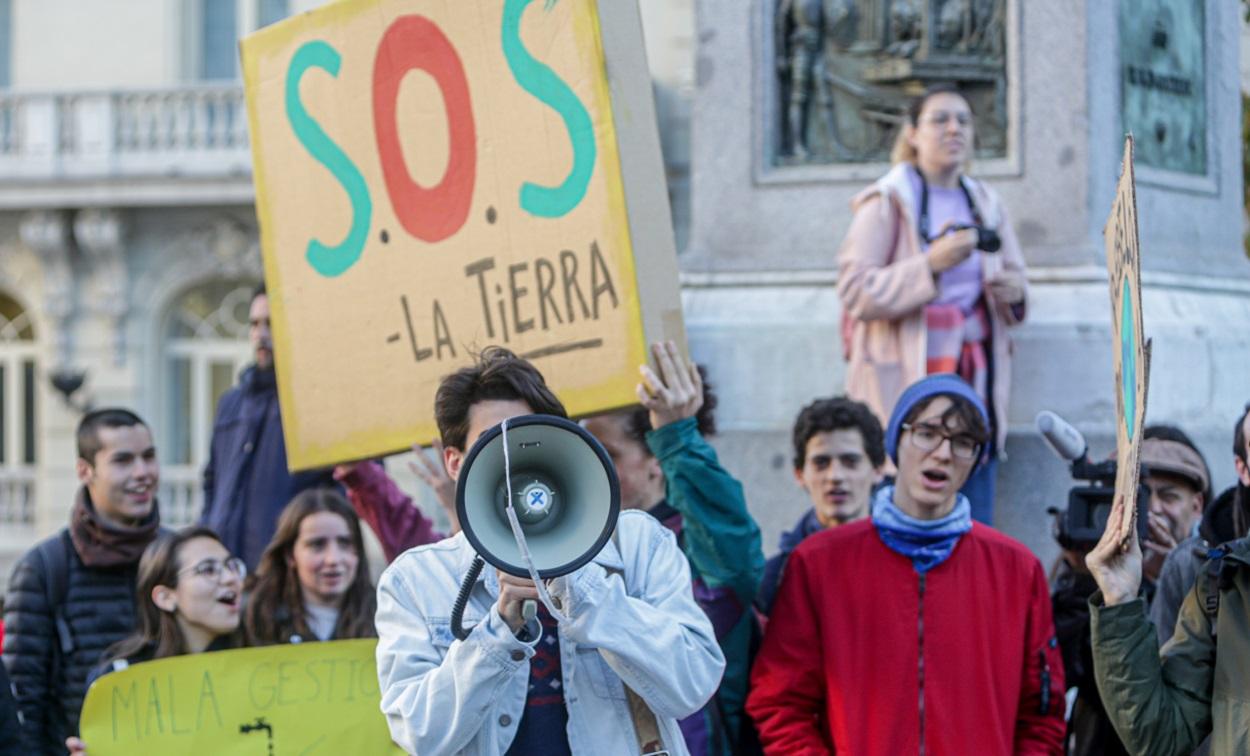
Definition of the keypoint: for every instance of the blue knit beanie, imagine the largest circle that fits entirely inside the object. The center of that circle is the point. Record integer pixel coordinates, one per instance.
(922, 390)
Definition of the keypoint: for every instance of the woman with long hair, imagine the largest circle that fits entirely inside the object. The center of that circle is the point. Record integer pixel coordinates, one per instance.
(188, 598)
(930, 276)
(310, 584)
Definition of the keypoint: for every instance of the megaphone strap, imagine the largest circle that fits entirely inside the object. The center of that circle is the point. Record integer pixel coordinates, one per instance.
(519, 534)
(646, 729)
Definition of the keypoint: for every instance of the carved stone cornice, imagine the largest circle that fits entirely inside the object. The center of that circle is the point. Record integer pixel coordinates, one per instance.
(221, 248)
(234, 248)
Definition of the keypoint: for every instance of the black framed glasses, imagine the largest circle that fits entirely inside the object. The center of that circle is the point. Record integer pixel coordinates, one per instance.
(215, 569)
(927, 437)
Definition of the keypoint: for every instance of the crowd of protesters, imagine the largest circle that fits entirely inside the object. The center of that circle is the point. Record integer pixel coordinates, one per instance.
(892, 618)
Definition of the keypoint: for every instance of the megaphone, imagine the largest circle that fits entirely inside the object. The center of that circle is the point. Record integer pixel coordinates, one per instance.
(564, 492)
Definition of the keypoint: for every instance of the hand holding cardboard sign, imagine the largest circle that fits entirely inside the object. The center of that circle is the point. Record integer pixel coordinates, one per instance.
(1130, 359)
(1116, 562)
(676, 393)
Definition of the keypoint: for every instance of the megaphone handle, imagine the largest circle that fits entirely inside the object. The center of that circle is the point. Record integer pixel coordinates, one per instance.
(529, 610)
(462, 599)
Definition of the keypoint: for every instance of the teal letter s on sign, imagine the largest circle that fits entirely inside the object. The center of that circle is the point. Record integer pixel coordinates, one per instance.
(539, 80)
(326, 260)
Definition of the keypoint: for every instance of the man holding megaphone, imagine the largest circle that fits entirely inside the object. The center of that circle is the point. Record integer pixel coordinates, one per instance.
(633, 652)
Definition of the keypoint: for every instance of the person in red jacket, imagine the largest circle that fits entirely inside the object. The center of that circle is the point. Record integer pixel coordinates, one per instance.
(916, 631)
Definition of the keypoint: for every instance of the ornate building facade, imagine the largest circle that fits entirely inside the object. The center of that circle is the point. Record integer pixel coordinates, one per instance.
(128, 239)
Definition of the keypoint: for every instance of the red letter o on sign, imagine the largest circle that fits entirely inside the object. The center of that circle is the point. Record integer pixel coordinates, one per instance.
(428, 214)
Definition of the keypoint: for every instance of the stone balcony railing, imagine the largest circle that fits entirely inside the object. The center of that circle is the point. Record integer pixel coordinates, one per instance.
(159, 146)
(181, 495)
(17, 506)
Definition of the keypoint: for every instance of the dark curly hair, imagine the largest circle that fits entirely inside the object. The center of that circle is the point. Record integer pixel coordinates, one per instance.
(838, 413)
(497, 374)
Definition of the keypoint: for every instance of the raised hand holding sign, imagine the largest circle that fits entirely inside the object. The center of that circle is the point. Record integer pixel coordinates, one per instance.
(1116, 561)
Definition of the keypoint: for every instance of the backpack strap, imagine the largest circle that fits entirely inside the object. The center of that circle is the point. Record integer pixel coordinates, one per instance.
(646, 728)
(1214, 575)
(55, 554)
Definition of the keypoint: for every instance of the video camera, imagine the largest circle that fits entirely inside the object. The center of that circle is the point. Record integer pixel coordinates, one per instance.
(1080, 526)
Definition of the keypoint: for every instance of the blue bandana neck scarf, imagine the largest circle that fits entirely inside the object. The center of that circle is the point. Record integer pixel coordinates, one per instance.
(927, 543)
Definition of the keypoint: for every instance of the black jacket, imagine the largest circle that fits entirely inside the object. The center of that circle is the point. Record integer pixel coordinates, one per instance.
(49, 650)
(776, 566)
(246, 482)
(10, 739)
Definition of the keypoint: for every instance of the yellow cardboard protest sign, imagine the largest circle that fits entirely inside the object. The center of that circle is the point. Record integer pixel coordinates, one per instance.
(1130, 351)
(307, 698)
(433, 178)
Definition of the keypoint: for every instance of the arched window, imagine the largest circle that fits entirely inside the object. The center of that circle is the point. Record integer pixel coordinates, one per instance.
(206, 348)
(18, 433)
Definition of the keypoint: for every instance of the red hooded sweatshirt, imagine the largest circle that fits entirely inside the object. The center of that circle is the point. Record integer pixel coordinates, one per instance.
(865, 656)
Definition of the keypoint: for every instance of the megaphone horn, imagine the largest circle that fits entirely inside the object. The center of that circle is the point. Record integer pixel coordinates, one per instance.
(564, 491)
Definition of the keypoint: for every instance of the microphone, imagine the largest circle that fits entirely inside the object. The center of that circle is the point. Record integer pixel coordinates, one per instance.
(1062, 438)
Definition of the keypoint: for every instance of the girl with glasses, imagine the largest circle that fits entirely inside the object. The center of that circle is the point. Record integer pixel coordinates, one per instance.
(930, 276)
(310, 584)
(190, 589)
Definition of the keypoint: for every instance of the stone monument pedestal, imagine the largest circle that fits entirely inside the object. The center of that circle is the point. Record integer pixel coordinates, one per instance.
(760, 272)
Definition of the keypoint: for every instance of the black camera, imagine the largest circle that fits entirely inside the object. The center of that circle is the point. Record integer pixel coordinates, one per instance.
(988, 239)
(1081, 525)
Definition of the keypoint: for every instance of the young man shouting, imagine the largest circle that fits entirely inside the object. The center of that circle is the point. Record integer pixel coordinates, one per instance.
(541, 688)
(917, 630)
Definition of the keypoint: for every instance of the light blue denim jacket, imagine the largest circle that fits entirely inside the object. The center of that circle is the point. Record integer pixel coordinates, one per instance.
(633, 618)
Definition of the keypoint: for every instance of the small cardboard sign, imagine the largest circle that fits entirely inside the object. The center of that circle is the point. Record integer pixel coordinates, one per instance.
(306, 698)
(1129, 349)
(433, 178)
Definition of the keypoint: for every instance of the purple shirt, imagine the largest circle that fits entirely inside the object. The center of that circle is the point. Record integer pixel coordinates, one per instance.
(960, 285)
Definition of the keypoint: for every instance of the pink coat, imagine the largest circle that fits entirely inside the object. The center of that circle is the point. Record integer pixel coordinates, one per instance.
(884, 283)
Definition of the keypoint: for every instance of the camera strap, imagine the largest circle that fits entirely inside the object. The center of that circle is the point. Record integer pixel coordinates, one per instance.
(922, 221)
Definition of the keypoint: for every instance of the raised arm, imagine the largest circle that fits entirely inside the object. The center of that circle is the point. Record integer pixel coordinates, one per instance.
(1157, 708)
(398, 523)
(721, 539)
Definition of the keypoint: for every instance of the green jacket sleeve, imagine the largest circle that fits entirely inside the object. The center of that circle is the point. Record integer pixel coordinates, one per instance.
(1157, 705)
(721, 539)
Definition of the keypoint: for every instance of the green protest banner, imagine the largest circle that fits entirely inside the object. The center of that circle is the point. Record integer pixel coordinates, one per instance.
(306, 699)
